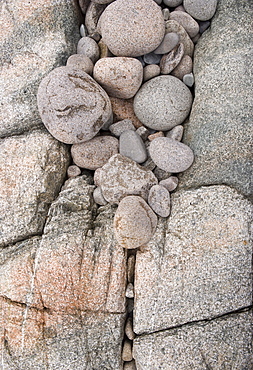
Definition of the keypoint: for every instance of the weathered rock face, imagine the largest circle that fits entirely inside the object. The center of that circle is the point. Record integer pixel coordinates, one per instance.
(33, 167)
(203, 268)
(63, 293)
(35, 38)
(220, 123)
(223, 343)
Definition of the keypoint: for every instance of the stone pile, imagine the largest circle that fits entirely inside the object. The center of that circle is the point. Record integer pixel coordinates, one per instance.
(121, 102)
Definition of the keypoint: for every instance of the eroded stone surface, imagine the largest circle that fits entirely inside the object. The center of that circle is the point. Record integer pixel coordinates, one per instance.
(33, 167)
(203, 269)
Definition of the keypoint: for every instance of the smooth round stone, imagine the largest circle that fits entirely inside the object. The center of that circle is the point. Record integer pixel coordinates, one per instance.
(172, 59)
(132, 27)
(170, 40)
(202, 10)
(88, 47)
(162, 103)
(159, 200)
(73, 171)
(98, 196)
(186, 21)
(94, 153)
(119, 127)
(150, 71)
(176, 133)
(172, 3)
(72, 106)
(80, 61)
(121, 77)
(132, 146)
(152, 58)
(170, 183)
(184, 38)
(188, 79)
(183, 68)
(134, 222)
(171, 155)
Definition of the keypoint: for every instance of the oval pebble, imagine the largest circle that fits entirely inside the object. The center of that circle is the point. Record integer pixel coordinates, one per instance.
(98, 196)
(171, 155)
(82, 62)
(119, 127)
(132, 27)
(94, 153)
(73, 171)
(159, 200)
(183, 68)
(150, 71)
(162, 103)
(121, 77)
(170, 183)
(202, 10)
(134, 222)
(171, 60)
(132, 146)
(152, 58)
(72, 106)
(176, 133)
(188, 79)
(88, 47)
(170, 40)
(186, 21)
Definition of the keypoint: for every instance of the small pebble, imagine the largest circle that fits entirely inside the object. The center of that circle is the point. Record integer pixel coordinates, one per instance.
(95, 36)
(155, 135)
(92, 16)
(143, 132)
(159, 200)
(203, 26)
(130, 290)
(202, 10)
(172, 59)
(103, 49)
(170, 40)
(127, 351)
(183, 68)
(119, 127)
(176, 133)
(134, 222)
(82, 62)
(131, 145)
(186, 21)
(196, 38)
(83, 31)
(88, 47)
(98, 196)
(130, 305)
(96, 176)
(150, 71)
(129, 365)
(171, 155)
(130, 268)
(166, 14)
(170, 183)
(180, 8)
(149, 164)
(129, 329)
(73, 171)
(188, 79)
(161, 174)
(152, 58)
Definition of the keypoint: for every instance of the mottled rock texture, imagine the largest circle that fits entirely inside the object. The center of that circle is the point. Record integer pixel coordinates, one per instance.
(220, 123)
(36, 37)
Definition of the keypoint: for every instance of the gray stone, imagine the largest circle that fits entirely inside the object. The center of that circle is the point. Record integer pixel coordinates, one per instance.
(188, 79)
(186, 21)
(82, 62)
(134, 222)
(98, 196)
(200, 9)
(92, 16)
(220, 124)
(83, 31)
(127, 351)
(161, 174)
(203, 26)
(171, 155)
(170, 40)
(162, 103)
(94, 153)
(132, 146)
(129, 329)
(119, 127)
(150, 71)
(33, 42)
(130, 269)
(176, 133)
(184, 38)
(146, 27)
(73, 171)
(88, 47)
(223, 343)
(152, 58)
(159, 200)
(204, 268)
(33, 167)
(171, 60)
(96, 177)
(170, 183)
(130, 290)
(183, 68)
(121, 176)
(73, 107)
(121, 77)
